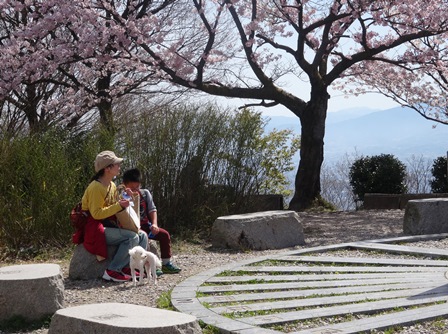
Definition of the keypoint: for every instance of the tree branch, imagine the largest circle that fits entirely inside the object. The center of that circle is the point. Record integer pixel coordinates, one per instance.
(250, 57)
(261, 104)
(369, 54)
(211, 39)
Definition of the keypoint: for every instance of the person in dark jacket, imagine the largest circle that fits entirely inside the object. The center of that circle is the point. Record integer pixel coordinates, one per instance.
(148, 220)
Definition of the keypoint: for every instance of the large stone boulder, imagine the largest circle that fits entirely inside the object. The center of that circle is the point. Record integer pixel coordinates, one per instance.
(426, 216)
(85, 266)
(30, 291)
(258, 230)
(118, 318)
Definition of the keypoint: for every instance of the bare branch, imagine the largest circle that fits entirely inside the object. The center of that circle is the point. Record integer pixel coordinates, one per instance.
(261, 104)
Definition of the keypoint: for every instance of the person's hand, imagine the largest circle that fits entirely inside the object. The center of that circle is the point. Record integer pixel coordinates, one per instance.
(129, 192)
(124, 203)
(154, 229)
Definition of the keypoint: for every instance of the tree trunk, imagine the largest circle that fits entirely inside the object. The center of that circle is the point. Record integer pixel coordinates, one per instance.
(30, 106)
(105, 103)
(307, 182)
(106, 137)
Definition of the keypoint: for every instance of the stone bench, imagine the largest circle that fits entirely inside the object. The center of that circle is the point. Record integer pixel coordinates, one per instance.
(121, 318)
(85, 266)
(258, 230)
(30, 291)
(375, 201)
(426, 216)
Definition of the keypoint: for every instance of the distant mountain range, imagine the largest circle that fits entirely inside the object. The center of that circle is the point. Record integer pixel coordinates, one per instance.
(398, 131)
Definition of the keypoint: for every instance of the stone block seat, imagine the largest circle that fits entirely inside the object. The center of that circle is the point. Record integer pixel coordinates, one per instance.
(259, 230)
(426, 216)
(85, 266)
(121, 318)
(30, 291)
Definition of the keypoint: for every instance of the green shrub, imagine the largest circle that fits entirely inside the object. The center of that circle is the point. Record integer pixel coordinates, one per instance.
(439, 182)
(201, 162)
(377, 174)
(43, 176)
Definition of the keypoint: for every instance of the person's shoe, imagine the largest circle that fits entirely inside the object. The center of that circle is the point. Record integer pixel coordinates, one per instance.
(170, 268)
(115, 276)
(127, 272)
(159, 272)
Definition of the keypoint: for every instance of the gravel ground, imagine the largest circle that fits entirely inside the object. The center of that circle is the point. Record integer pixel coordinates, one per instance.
(319, 228)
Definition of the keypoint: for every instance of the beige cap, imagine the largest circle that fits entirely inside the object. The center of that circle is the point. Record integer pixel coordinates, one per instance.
(104, 159)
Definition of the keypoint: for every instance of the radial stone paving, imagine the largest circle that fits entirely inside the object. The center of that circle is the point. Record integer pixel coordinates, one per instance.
(317, 290)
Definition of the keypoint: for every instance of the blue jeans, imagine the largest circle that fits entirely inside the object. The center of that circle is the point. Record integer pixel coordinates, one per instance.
(125, 240)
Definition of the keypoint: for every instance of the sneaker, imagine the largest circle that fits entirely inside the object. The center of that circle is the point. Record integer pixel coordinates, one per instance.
(115, 276)
(127, 271)
(159, 272)
(170, 268)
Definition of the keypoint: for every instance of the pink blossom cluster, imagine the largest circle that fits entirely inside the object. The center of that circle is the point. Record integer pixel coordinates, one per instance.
(394, 47)
(81, 40)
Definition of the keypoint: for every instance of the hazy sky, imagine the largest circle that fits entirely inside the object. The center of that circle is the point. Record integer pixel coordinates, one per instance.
(338, 102)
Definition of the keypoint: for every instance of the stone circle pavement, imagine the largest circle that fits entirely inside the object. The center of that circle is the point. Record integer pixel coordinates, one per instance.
(318, 291)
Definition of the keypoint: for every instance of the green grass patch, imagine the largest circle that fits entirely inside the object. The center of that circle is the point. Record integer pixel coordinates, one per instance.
(229, 273)
(208, 329)
(164, 301)
(252, 281)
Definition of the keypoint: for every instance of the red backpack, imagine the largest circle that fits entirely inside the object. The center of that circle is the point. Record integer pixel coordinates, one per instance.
(78, 217)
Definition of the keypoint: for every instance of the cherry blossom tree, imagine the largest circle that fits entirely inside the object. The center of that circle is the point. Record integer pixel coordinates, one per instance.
(390, 46)
(80, 48)
(25, 103)
(258, 50)
(423, 78)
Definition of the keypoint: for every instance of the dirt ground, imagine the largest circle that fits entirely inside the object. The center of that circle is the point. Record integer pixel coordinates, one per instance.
(319, 229)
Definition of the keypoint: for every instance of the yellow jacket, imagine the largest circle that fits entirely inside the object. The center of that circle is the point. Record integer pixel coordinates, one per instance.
(101, 201)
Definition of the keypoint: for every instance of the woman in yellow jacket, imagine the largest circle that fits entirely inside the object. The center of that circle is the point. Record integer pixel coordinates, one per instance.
(101, 201)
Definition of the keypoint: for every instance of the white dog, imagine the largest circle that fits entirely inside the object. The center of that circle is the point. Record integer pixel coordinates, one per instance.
(142, 260)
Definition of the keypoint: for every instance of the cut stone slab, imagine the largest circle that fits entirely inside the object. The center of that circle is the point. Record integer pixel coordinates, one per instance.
(31, 291)
(120, 318)
(259, 230)
(426, 216)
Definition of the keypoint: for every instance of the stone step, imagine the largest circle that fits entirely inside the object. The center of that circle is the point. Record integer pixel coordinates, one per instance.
(361, 260)
(401, 249)
(339, 269)
(240, 297)
(320, 277)
(323, 301)
(402, 318)
(436, 279)
(369, 307)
